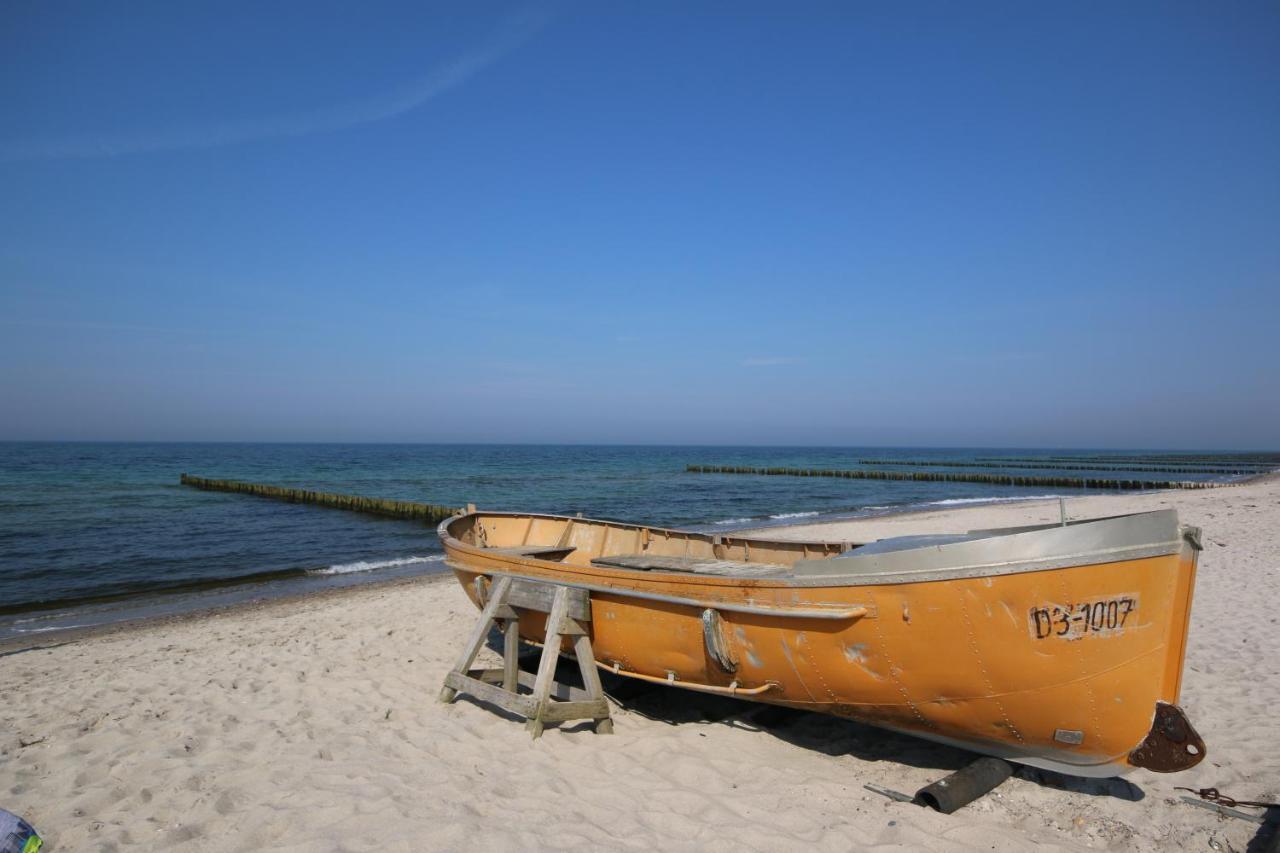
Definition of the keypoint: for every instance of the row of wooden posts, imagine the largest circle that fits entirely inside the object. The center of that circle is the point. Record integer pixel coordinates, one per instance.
(940, 477)
(1059, 466)
(1182, 462)
(430, 513)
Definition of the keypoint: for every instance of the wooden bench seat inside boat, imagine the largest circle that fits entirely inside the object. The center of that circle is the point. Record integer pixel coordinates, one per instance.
(697, 565)
(541, 552)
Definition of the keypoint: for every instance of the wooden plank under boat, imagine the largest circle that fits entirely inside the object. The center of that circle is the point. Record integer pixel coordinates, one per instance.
(1059, 646)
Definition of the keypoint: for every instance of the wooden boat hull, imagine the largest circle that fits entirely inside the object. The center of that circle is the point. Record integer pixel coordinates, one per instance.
(1055, 659)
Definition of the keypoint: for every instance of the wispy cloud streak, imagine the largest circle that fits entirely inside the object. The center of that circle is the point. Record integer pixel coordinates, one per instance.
(510, 35)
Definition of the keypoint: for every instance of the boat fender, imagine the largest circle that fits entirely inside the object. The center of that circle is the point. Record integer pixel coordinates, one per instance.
(718, 648)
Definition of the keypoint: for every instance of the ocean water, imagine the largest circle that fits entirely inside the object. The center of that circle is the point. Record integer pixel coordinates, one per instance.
(93, 533)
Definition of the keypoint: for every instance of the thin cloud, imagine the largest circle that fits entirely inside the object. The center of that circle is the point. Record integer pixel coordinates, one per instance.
(510, 35)
(771, 361)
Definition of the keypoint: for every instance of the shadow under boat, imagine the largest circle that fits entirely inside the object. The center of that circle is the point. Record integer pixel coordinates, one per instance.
(816, 732)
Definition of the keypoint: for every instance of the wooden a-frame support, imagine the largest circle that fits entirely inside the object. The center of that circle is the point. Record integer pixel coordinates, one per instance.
(568, 610)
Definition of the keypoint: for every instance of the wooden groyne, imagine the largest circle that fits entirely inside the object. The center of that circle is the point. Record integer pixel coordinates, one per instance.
(1057, 466)
(429, 513)
(940, 477)
(1180, 461)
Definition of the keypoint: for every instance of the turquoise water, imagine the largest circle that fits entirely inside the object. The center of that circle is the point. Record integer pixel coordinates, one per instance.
(98, 532)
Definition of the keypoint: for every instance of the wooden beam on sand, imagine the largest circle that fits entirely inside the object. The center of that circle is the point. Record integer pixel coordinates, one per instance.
(429, 513)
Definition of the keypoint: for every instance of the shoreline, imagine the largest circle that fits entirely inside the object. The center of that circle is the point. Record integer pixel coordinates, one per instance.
(236, 592)
(306, 722)
(64, 636)
(245, 598)
(824, 527)
(1009, 513)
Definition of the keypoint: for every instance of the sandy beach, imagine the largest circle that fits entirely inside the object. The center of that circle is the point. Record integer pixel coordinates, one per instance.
(304, 310)
(312, 724)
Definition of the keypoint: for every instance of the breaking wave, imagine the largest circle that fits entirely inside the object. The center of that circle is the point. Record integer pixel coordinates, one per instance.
(369, 566)
(1003, 500)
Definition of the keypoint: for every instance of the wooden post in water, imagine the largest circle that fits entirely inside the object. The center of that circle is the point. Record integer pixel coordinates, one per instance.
(1066, 466)
(429, 513)
(947, 477)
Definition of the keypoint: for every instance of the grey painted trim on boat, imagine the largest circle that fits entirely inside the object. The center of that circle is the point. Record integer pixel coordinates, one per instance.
(1108, 540)
(843, 612)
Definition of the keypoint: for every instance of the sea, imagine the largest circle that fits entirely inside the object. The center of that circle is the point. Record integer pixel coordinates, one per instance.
(103, 532)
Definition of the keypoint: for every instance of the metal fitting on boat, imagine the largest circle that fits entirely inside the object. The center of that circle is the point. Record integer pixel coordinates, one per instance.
(1173, 744)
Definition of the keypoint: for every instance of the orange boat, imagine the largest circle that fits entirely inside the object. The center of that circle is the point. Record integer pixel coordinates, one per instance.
(1058, 646)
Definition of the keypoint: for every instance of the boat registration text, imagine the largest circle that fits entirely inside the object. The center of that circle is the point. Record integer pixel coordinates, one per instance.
(1075, 621)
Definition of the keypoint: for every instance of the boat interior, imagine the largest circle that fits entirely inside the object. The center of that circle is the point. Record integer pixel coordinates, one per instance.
(591, 542)
(618, 545)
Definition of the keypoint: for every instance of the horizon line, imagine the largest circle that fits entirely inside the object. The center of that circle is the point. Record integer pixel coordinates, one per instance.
(1113, 448)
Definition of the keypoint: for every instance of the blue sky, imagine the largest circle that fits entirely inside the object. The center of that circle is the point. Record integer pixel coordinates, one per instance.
(952, 224)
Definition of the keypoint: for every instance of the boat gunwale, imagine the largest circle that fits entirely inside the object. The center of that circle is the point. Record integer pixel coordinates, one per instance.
(842, 612)
(1097, 556)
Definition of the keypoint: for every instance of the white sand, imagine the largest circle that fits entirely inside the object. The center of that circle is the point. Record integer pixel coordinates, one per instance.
(313, 725)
